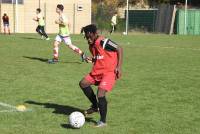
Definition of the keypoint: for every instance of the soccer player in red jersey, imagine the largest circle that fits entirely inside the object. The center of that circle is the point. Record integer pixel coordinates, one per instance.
(107, 66)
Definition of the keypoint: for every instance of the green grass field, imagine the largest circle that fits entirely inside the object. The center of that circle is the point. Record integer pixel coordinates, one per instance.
(159, 92)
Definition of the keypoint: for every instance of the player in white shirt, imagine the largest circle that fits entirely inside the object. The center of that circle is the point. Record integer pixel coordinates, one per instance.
(113, 23)
(41, 24)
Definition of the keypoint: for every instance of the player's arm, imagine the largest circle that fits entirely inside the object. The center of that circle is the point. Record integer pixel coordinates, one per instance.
(62, 21)
(120, 61)
(90, 59)
(36, 18)
(109, 45)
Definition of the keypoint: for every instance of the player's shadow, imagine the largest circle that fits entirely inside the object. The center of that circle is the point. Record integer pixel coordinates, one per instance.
(31, 38)
(36, 58)
(72, 62)
(61, 109)
(46, 60)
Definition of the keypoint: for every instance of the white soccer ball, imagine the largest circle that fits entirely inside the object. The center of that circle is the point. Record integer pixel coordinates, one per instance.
(76, 119)
(124, 33)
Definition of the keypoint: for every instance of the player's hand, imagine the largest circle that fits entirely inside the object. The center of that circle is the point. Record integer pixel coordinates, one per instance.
(88, 59)
(35, 19)
(118, 72)
(57, 22)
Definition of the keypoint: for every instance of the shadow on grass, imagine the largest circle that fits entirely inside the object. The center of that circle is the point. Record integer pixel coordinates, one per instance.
(30, 38)
(87, 119)
(46, 60)
(72, 62)
(61, 109)
(37, 58)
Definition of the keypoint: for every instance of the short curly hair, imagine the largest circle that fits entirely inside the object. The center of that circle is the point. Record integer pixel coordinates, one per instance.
(60, 6)
(92, 28)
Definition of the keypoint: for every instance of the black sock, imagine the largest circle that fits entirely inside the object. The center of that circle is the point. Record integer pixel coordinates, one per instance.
(91, 96)
(102, 108)
(44, 33)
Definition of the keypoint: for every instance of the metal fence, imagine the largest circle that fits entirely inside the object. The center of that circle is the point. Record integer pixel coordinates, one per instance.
(161, 19)
(192, 23)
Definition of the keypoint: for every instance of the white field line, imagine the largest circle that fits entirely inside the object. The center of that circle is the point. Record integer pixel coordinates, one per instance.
(7, 105)
(165, 47)
(8, 111)
(12, 108)
(177, 48)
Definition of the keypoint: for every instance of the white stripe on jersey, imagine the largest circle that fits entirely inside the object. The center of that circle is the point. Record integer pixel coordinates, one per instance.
(112, 44)
(104, 43)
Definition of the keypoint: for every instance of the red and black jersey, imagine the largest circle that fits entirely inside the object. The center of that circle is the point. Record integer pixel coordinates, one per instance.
(5, 19)
(104, 56)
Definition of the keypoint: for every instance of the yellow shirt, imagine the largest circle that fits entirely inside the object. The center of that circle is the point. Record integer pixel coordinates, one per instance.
(64, 28)
(40, 20)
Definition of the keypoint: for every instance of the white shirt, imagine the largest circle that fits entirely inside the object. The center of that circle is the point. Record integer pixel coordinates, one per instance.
(114, 20)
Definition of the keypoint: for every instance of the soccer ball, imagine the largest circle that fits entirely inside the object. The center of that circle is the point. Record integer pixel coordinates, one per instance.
(76, 119)
(124, 33)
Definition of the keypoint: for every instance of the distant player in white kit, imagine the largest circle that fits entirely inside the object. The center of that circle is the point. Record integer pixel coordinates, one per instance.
(41, 24)
(63, 36)
(113, 23)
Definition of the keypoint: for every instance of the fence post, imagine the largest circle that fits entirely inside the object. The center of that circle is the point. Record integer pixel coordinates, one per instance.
(173, 20)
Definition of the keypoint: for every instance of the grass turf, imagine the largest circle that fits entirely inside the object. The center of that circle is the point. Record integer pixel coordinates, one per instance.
(158, 93)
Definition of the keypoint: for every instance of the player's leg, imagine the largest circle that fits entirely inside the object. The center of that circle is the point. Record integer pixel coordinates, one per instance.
(77, 50)
(114, 28)
(55, 50)
(102, 104)
(4, 28)
(85, 85)
(111, 27)
(105, 86)
(44, 33)
(38, 30)
(8, 29)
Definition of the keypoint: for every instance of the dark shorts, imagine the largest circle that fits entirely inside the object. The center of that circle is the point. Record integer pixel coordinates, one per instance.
(6, 24)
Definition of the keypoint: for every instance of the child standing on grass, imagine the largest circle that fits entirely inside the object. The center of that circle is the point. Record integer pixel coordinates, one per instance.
(107, 66)
(64, 35)
(113, 23)
(6, 26)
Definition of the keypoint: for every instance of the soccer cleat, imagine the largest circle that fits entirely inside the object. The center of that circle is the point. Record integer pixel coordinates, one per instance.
(52, 61)
(91, 110)
(100, 124)
(42, 37)
(47, 38)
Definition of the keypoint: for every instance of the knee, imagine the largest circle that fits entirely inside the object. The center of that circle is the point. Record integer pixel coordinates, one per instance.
(101, 93)
(83, 84)
(69, 45)
(56, 44)
(37, 30)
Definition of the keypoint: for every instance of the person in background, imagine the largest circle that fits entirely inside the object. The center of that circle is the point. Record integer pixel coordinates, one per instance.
(5, 19)
(63, 36)
(41, 24)
(113, 23)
